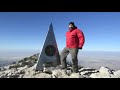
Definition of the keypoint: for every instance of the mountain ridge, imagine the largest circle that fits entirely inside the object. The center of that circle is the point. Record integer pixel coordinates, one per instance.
(25, 68)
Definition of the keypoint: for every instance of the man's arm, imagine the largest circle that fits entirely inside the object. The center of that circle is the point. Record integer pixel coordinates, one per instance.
(81, 38)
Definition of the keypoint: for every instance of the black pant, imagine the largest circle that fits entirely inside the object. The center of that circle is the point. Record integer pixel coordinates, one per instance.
(74, 53)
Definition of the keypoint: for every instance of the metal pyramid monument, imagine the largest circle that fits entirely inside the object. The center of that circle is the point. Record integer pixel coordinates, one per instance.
(49, 55)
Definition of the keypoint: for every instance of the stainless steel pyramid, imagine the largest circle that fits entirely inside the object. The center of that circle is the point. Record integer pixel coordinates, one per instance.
(49, 55)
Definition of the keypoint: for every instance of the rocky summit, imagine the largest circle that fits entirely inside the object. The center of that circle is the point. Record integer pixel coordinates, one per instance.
(25, 68)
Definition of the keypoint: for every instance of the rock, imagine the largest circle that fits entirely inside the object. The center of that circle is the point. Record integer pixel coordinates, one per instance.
(99, 75)
(43, 75)
(104, 72)
(2, 69)
(59, 74)
(3, 75)
(21, 76)
(37, 72)
(21, 64)
(21, 70)
(25, 63)
(12, 73)
(14, 66)
(74, 75)
(9, 74)
(87, 71)
(14, 76)
(25, 59)
(33, 58)
(95, 75)
(29, 73)
(116, 74)
(69, 72)
(47, 70)
(34, 66)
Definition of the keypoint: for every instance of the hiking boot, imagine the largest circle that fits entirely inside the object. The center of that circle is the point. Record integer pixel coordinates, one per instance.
(75, 68)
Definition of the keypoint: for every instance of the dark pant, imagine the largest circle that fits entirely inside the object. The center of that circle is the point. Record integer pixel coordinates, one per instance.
(73, 52)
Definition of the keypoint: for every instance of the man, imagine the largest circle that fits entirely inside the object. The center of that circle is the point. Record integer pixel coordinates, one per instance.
(74, 41)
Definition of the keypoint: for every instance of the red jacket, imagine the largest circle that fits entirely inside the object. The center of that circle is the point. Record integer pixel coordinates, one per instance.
(75, 38)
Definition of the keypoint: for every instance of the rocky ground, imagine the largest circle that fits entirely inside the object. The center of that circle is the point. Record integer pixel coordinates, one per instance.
(25, 68)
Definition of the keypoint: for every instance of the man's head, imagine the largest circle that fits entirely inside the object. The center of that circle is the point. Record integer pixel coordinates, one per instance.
(71, 25)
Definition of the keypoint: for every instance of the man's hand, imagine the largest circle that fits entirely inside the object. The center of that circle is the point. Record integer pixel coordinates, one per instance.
(80, 48)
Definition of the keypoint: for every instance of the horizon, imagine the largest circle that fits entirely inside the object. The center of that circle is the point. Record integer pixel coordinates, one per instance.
(93, 54)
(86, 59)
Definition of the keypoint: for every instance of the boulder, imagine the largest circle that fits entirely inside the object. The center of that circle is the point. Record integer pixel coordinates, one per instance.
(116, 74)
(59, 74)
(43, 75)
(104, 72)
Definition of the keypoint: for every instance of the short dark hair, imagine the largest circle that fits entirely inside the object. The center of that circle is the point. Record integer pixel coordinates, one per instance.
(72, 23)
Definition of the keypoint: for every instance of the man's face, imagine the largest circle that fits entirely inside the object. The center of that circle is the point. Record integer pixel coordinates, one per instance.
(71, 26)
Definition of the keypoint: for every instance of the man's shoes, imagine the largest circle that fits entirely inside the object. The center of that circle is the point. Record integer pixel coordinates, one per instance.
(75, 71)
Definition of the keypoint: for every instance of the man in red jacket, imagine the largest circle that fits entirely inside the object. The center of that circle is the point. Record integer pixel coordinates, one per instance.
(74, 41)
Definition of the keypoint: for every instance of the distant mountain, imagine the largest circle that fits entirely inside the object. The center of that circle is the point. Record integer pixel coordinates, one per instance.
(5, 62)
(25, 68)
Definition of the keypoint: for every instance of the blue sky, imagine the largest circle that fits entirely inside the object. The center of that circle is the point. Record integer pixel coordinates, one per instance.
(24, 31)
